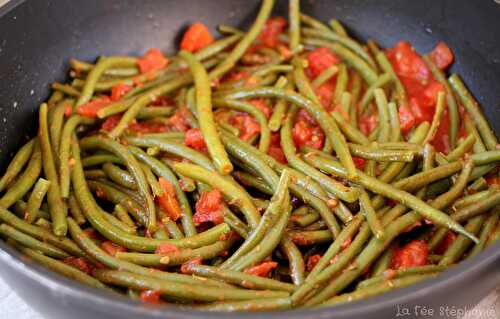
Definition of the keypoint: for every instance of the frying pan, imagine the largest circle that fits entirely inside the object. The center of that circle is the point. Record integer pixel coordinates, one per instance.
(37, 38)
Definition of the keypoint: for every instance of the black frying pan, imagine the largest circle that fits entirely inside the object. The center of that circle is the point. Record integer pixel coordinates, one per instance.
(38, 37)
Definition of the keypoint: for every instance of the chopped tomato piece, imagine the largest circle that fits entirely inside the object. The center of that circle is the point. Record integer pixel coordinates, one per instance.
(406, 119)
(179, 121)
(319, 60)
(262, 105)
(493, 180)
(325, 94)
(194, 139)
(208, 208)
(79, 263)
(367, 123)
(148, 127)
(119, 90)
(246, 124)
(446, 243)
(152, 61)
(162, 101)
(277, 153)
(165, 248)
(305, 134)
(68, 110)
(91, 108)
(196, 37)
(111, 122)
(359, 162)
(407, 63)
(263, 269)
(312, 261)
(168, 201)
(151, 296)
(111, 248)
(442, 56)
(415, 253)
(271, 31)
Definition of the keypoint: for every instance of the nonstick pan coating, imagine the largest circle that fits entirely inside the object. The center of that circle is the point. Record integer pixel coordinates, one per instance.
(37, 38)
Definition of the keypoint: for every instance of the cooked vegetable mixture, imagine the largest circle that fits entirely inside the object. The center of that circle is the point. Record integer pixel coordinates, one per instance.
(287, 166)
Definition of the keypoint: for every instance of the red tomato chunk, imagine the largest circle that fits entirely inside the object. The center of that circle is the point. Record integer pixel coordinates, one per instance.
(412, 254)
(208, 208)
(152, 61)
(196, 37)
(263, 269)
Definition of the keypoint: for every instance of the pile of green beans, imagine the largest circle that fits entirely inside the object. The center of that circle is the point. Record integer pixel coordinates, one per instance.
(91, 203)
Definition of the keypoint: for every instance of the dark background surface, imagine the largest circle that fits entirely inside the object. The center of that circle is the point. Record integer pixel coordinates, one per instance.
(38, 37)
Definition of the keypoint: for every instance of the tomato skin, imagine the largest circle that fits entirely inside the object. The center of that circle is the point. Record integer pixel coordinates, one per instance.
(319, 60)
(407, 63)
(196, 37)
(275, 149)
(271, 31)
(165, 248)
(112, 248)
(359, 162)
(151, 61)
(168, 201)
(79, 263)
(91, 108)
(415, 253)
(442, 56)
(111, 122)
(312, 261)
(367, 124)
(325, 94)
(208, 208)
(263, 269)
(246, 124)
(194, 139)
(119, 90)
(406, 119)
(446, 243)
(151, 297)
(179, 121)
(305, 134)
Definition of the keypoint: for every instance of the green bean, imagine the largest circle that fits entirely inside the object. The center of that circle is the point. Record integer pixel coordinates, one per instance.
(143, 100)
(310, 237)
(91, 211)
(154, 112)
(265, 133)
(474, 110)
(341, 83)
(390, 274)
(17, 163)
(322, 117)
(204, 112)
(132, 166)
(295, 260)
(485, 157)
(95, 73)
(312, 22)
(377, 289)
(63, 269)
(487, 228)
(180, 290)
(54, 98)
(351, 132)
(248, 305)
(331, 185)
(383, 116)
(477, 208)
(35, 200)
(232, 193)
(387, 190)
(64, 151)
(245, 42)
(119, 176)
(305, 220)
(471, 130)
(451, 104)
(474, 198)
(82, 66)
(371, 217)
(238, 278)
(382, 264)
(280, 106)
(25, 181)
(325, 76)
(99, 159)
(494, 236)
(57, 207)
(30, 242)
(65, 88)
(461, 149)
(121, 213)
(338, 27)
(338, 39)
(39, 233)
(381, 81)
(269, 218)
(349, 57)
(177, 257)
(249, 180)
(395, 134)
(19, 208)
